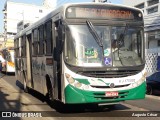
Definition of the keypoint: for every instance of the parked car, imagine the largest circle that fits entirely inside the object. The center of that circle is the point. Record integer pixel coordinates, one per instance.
(153, 83)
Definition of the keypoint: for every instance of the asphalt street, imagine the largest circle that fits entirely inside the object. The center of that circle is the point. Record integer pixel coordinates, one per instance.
(36, 102)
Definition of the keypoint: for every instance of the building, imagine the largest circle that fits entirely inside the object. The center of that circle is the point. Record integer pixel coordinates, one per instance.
(1, 40)
(151, 10)
(16, 13)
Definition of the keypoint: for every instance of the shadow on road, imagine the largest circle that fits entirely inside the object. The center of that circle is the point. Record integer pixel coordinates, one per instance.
(9, 102)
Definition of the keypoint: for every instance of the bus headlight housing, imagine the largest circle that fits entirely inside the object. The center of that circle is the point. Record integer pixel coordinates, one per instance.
(75, 83)
(140, 81)
(69, 78)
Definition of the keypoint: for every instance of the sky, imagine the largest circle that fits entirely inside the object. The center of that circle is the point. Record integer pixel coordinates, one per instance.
(40, 2)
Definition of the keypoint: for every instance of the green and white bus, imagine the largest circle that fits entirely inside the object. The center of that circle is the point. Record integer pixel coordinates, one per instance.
(84, 53)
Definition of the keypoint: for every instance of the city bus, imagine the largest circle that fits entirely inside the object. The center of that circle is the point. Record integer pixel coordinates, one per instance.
(84, 53)
(8, 55)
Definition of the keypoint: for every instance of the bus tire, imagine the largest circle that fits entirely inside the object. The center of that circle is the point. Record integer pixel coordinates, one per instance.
(149, 90)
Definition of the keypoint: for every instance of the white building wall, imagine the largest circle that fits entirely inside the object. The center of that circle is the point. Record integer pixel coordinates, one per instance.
(50, 3)
(133, 2)
(19, 11)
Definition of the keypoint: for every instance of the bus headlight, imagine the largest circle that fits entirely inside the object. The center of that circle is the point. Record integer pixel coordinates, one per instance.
(140, 81)
(78, 85)
(69, 78)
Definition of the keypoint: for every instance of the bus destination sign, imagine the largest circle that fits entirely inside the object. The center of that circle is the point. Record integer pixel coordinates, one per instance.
(103, 13)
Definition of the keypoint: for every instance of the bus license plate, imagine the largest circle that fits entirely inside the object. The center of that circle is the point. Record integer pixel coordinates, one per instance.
(111, 94)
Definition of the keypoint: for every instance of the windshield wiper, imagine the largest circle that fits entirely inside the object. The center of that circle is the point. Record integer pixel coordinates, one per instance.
(96, 37)
(94, 33)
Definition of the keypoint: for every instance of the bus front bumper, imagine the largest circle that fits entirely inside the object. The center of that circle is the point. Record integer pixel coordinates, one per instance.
(74, 95)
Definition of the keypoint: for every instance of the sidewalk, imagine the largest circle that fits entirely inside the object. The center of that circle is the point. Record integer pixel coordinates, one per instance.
(14, 100)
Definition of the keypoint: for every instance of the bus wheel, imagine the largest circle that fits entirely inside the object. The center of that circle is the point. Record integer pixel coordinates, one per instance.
(149, 90)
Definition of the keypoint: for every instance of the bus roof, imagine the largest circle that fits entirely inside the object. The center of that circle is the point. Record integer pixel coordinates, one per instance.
(61, 13)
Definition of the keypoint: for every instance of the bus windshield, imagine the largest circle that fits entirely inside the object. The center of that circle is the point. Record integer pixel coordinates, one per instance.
(122, 46)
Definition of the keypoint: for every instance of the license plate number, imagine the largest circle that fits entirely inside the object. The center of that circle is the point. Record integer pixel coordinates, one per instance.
(111, 94)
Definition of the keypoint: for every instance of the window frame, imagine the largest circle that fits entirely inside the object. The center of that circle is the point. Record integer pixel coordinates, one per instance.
(35, 42)
(41, 40)
(48, 38)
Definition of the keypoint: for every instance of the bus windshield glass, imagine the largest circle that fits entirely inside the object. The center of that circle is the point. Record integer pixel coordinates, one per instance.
(122, 46)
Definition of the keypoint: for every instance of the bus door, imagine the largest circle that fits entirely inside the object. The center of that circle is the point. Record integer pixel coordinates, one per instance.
(29, 60)
(57, 71)
(55, 77)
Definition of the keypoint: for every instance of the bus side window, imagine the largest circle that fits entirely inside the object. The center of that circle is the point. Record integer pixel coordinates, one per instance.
(35, 42)
(21, 54)
(49, 41)
(24, 46)
(41, 40)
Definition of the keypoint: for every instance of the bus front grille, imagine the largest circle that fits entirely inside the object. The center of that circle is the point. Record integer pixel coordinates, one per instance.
(116, 86)
(101, 96)
(109, 74)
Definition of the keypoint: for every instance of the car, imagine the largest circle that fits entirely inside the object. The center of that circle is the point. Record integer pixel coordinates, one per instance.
(153, 84)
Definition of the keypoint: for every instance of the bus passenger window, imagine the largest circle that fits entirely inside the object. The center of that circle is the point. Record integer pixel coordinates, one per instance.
(35, 42)
(48, 31)
(41, 40)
